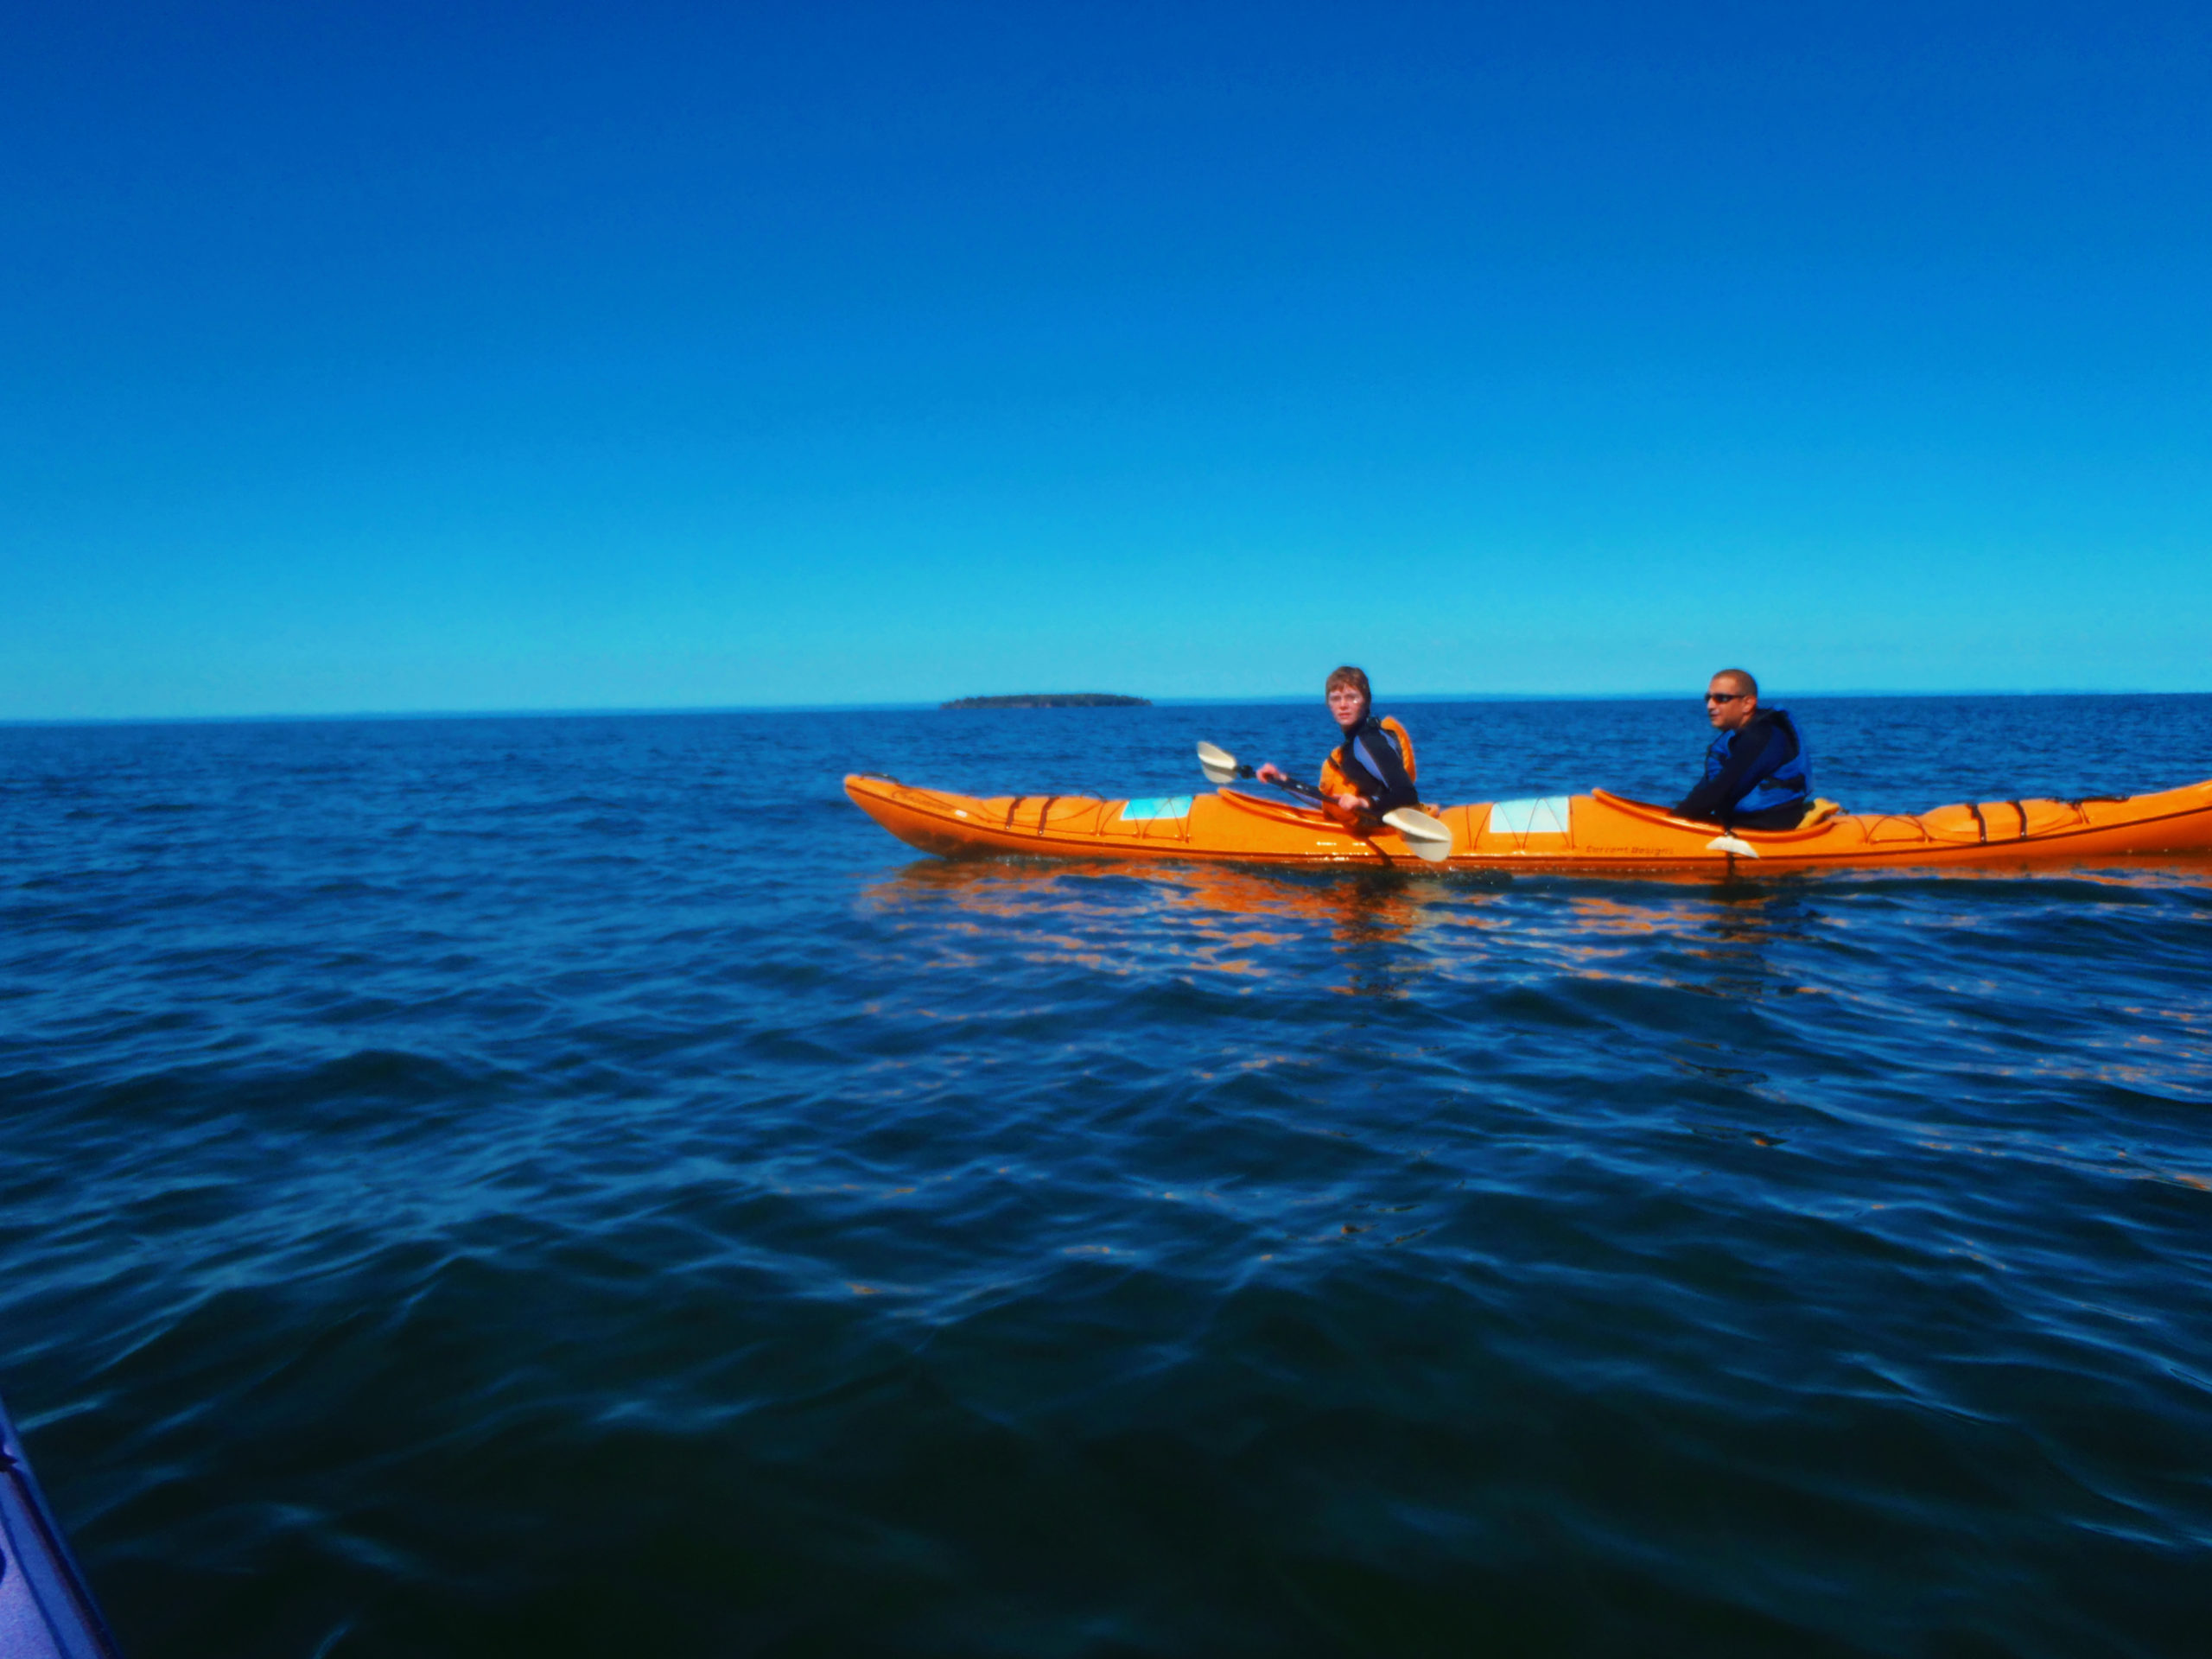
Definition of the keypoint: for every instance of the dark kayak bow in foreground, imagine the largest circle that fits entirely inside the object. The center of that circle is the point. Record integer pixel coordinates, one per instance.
(47, 1610)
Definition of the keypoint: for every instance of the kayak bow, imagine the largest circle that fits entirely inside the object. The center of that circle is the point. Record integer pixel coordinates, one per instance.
(47, 1610)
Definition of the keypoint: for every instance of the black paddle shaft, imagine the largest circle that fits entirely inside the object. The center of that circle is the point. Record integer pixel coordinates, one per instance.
(1290, 784)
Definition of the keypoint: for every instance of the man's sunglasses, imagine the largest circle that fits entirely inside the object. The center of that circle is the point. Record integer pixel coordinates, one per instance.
(1716, 696)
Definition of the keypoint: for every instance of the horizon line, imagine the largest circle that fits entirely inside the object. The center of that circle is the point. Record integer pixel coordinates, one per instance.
(644, 710)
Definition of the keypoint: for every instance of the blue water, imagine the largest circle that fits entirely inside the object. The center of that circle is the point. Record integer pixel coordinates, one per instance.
(575, 1187)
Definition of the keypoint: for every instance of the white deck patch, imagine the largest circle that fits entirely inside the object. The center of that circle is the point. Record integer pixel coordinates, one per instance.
(1546, 814)
(1156, 806)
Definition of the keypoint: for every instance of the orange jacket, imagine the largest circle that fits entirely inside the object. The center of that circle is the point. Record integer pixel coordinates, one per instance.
(1333, 781)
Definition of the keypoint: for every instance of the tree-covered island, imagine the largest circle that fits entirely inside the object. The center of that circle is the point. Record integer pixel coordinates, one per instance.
(1054, 699)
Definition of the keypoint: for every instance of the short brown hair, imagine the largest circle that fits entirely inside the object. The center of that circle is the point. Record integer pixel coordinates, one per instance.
(1742, 679)
(1355, 677)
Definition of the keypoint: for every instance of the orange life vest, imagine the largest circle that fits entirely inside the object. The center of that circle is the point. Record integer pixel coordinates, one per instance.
(1336, 781)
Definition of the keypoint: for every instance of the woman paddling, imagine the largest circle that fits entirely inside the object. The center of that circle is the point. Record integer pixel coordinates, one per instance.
(1372, 771)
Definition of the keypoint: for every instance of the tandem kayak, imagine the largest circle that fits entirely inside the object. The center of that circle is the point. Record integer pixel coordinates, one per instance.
(1596, 833)
(47, 1610)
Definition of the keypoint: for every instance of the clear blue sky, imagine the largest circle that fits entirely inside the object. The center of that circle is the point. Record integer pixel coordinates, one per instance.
(417, 357)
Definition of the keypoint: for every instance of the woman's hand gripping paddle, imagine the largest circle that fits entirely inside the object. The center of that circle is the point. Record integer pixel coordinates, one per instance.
(1430, 839)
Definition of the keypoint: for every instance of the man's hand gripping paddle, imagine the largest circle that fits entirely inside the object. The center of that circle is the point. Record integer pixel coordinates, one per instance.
(1429, 838)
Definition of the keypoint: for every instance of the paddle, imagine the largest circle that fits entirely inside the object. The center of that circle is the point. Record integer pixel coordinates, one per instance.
(1731, 844)
(1429, 838)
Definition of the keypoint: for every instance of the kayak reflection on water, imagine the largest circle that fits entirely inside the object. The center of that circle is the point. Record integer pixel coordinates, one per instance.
(1220, 919)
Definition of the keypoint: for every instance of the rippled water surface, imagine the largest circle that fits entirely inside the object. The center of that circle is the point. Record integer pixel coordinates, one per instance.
(575, 1187)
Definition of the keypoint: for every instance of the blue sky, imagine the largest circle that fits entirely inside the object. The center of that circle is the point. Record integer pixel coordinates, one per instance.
(412, 358)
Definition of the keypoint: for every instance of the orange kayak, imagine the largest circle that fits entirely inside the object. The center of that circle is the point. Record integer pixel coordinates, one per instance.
(1596, 832)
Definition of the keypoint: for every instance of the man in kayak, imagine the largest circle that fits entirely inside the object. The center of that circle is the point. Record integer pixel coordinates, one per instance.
(1372, 771)
(1757, 775)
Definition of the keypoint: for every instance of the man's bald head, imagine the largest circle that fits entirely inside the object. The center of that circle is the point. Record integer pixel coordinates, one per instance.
(1731, 700)
(1739, 680)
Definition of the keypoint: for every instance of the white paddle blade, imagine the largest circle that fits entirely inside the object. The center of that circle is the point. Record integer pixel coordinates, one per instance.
(1428, 838)
(1730, 844)
(1219, 764)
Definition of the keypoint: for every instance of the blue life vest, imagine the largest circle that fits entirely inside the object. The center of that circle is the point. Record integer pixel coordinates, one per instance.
(1779, 785)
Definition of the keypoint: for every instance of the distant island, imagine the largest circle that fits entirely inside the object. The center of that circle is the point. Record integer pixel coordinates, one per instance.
(1054, 699)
